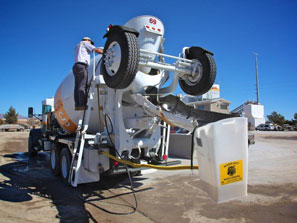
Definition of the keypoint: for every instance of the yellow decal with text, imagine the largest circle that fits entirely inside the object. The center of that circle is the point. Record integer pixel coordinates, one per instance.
(231, 172)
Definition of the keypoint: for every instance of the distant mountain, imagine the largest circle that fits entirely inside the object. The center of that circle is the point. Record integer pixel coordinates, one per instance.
(22, 117)
(19, 116)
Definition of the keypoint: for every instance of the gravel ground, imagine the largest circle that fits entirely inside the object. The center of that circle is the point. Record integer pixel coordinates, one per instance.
(30, 193)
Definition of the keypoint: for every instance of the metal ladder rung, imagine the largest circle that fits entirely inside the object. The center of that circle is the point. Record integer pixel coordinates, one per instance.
(163, 126)
(88, 136)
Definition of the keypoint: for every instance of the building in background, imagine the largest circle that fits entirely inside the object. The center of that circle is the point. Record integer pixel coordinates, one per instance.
(210, 101)
(253, 111)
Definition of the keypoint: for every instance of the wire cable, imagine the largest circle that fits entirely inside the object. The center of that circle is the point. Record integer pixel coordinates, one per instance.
(192, 147)
(129, 175)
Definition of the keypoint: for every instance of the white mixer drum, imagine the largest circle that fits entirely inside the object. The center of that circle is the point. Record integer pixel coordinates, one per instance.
(151, 31)
(64, 105)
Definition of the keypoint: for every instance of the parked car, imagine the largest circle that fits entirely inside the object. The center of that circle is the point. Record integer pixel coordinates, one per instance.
(278, 128)
(11, 127)
(287, 127)
(265, 127)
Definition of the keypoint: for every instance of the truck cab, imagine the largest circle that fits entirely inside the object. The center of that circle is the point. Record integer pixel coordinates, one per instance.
(38, 136)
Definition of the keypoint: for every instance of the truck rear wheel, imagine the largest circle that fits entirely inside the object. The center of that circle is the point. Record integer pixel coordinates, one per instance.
(65, 163)
(32, 152)
(55, 159)
(193, 86)
(120, 59)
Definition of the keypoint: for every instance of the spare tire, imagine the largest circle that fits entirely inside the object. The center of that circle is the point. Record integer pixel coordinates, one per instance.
(208, 76)
(120, 59)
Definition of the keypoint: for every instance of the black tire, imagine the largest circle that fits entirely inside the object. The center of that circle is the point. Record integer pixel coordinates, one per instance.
(208, 75)
(65, 160)
(55, 159)
(32, 152)
(128, 67)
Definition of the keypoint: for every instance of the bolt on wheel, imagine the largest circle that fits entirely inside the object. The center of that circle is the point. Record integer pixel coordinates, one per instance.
(112, 60)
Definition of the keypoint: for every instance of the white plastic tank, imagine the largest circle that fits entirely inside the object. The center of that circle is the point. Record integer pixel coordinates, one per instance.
(223, 158)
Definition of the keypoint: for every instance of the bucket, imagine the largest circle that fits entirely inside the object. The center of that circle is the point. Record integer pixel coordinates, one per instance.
(223, 158)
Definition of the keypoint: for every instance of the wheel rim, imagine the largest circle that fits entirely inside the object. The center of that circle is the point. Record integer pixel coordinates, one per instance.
(64, 167)
(112, 60)
(193, 79)
(53, 159)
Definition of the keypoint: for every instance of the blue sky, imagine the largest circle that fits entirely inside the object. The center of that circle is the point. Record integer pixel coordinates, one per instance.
(37, 40)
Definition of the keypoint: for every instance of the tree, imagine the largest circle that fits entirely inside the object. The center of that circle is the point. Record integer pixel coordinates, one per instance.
(289, 122)
(295, 116)
(11, 116)
(276, 118)
(1, 121)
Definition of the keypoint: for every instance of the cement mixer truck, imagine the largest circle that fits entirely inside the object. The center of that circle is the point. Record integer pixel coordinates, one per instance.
(130, 105)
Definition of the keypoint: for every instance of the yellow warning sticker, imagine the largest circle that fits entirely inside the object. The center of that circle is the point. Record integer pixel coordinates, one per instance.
(231, 172)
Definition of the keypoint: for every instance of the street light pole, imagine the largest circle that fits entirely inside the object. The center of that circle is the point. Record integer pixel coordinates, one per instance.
(257, 79)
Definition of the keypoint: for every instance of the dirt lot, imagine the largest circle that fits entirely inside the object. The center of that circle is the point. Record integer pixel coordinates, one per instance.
(29, 192)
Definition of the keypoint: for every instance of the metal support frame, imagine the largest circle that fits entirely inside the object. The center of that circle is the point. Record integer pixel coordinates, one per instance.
(168, 117)
(122, 140)
(165, 55)
(182, 68)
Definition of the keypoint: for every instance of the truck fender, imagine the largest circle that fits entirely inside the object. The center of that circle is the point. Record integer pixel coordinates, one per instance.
(195, 51)
(117, 28)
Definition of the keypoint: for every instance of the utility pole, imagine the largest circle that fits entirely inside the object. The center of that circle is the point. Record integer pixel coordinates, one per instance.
(257, 79)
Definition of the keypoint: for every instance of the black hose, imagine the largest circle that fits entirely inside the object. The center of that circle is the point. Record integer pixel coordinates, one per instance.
(192, 147)
(116, 151)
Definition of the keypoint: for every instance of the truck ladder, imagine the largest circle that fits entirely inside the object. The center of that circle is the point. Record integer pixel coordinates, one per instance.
(81, 135)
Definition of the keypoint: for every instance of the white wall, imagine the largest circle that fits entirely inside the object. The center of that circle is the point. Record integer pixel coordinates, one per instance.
(254, 113)
(180, 145)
